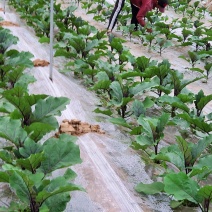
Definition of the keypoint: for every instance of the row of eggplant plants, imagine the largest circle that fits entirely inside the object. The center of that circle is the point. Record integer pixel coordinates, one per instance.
(132, 89)
(186, 30)
(29, 152)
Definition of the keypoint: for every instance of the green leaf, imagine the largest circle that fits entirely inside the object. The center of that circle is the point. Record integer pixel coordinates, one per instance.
(44, 39)
(197, 70)
(162, 122)
(136, 130)
(174, 101)
(63, 53)
(206, 192)
(24, 81)
(146, 85)
(171, 154)
(185, 149)
(204, 162)
(4, 177)
(198, 148)
(22, 185)
(17, 58)
(57, 193)
(148, 103)
(30, 147)
(153, 188)
(181, 187)
(18, 97)
(102, 84)
(102, 76)
(203, 101)
(60, 153)
(146, 126)
(31, 163)
(51, 106)
(6, 40)
(201, 173)
(138, 108)
(105, 112)
(6, 156)
(144, 141)
(70, 174)
(205, 127)
(37, 130)
(175, 204)
(11, 130)
(130, 74)
(116, 92)
(6, 107)
(120, 121)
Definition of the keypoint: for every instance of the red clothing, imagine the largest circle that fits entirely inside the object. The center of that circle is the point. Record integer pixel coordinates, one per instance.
(145, 6)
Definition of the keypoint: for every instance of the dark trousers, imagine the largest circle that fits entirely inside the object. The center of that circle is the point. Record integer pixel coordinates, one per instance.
(134, 14)
(116, 10)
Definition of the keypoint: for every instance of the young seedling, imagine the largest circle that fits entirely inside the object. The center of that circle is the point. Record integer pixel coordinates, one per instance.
(179, 85)
(163, 44)
(201, 101)
(208, 69)
(160, 70)
(192, 59)
(141, 64)
(151, 132)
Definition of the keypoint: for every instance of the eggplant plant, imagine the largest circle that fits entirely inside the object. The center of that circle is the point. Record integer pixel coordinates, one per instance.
(149, 38)
(118, 48)
(186, 33)
(86, 5)
(106, 75)
(201, 101)
(36, 112)
(6, 40)
(91, 61)
(64, 18)
(167, 29)
(185, 154)
(192, 58)
(198, 125)
(12, 66)
(179, 87)
(121, 96)
(152, 132)
(191, 166)
(41, 24)
(27, 158)
(163, 44)
(183, 190)
(28, 165)
(161, 70)
(123, 91)
(141, 64)
(128, 30)
(208, 69)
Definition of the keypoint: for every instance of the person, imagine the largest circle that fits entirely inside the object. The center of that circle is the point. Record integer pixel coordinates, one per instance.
(114, 15)
(139, 11)
(141, 7)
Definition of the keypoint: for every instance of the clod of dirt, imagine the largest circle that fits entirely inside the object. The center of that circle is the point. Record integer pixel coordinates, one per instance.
(7, 23)
(39, 62)
(76, 127)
